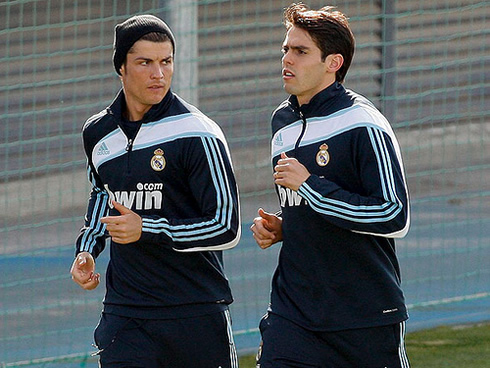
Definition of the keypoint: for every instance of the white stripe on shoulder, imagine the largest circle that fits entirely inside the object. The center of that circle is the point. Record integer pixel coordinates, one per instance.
(176, 127)
(192, 124)
(322, 128)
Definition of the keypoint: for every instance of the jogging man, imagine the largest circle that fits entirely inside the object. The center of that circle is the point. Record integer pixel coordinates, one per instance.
(336, 299)
(163, 189)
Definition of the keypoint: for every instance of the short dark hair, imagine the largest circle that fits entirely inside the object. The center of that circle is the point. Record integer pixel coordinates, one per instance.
(154, 37)
(328, 28)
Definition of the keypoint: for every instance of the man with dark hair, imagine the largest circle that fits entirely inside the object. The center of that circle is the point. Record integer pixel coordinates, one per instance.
(336, 299)
(163, 189)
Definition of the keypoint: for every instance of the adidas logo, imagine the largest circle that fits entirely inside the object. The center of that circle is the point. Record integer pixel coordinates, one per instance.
(103, 150)
(278, 140)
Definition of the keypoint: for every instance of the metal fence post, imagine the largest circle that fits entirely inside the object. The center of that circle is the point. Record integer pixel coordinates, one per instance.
(183, 20)
(388, 59)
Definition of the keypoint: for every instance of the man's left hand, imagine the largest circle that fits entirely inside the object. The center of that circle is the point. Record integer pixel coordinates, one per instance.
(290, 173)
(125, 228)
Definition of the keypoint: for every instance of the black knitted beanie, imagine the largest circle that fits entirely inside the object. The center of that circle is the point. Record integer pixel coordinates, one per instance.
(131, 30)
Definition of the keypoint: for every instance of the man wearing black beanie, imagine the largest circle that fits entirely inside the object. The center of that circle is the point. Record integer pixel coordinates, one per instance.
(164, 191)
(130, 31)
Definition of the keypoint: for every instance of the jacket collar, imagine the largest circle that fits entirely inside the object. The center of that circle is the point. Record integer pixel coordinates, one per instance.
(322, 101)
(156, 111)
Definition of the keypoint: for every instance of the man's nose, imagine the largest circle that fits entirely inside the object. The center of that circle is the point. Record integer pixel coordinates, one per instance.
(157, 71)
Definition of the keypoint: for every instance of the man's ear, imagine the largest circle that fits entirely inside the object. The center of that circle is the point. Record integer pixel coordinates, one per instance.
(334, 62)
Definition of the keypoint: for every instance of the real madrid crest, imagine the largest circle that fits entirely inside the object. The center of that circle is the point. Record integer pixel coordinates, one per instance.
(322, 157)
(158, 161)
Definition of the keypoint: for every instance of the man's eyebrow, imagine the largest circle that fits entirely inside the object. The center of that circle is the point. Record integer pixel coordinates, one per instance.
(143, 58)
(299, 47)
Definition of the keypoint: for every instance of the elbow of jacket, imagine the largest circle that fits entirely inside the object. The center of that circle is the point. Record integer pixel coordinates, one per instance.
(229, 241)
(401, 226)
(235, 235)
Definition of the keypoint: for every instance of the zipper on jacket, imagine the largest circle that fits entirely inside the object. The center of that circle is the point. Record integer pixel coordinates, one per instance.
(129, 146)
(129, 149)
(303, 130)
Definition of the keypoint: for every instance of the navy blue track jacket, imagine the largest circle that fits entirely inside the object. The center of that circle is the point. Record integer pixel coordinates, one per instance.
(337, 267)
(177, 175)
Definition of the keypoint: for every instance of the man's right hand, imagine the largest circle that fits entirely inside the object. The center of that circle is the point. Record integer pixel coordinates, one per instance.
(83, 271)
(266, 229)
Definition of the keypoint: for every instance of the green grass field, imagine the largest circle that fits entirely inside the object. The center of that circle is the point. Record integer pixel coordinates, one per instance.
(462, 346)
